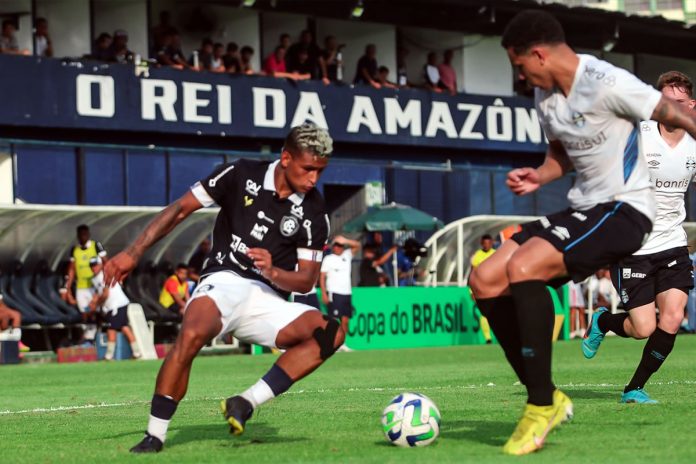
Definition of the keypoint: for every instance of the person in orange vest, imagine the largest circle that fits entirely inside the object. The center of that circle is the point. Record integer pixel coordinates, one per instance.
(175, 291)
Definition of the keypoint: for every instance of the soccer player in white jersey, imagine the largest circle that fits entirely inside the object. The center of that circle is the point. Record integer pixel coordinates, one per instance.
(589, 111)
(661, 271)
(267, 242)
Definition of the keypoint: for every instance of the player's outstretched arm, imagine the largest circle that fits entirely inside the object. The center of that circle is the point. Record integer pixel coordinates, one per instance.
(673, 114)
(118, 267)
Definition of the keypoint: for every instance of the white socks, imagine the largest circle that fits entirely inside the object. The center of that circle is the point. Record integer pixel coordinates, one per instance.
(158, 427)
(135, 350)
(110, 349)
(258, 393)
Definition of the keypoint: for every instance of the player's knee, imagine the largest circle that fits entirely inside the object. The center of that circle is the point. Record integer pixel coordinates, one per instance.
(644, 329)
(190, 343)
(328, 337)
(485, 282)
(670, 321)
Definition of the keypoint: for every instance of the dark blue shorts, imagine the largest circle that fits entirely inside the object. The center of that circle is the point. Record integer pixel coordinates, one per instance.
(119, 320)
(309, 300)
(341, 306)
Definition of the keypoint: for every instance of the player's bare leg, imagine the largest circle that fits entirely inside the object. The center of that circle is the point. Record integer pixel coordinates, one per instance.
(309, 341)
(200, 325)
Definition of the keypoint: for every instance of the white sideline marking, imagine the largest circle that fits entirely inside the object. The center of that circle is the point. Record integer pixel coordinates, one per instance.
(327, 390)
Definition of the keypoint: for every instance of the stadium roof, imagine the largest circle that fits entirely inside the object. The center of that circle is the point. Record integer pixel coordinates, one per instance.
(585, 27)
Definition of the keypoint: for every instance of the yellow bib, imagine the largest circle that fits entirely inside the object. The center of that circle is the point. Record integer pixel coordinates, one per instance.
(480, 256)
(83, 272)
(165, 298)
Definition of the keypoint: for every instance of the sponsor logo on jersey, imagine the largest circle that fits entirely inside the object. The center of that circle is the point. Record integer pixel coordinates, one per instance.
(672, 263)
(586, 143)
(672, 184)
(219, 257)
(578, 119)
(545, 222)
(252, 187)
(261, 215)
(289, 226)
(561, 232)
(645, 127)
(626, 273)
(297, 211)
(653, 164)
(238, 245)
(259, 232)
(579, 216)
(653, 155)
(248, 201)
(213, 182)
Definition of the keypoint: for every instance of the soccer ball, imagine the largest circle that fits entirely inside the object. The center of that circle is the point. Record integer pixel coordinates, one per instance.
(411, 419)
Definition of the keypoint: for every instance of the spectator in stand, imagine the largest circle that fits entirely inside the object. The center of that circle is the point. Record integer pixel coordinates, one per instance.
(9, 317)
(231, 59)
(114, 305)
(160, 31)
(303, 68)
(284, 40)
(8, 39)
(366, 72)
(602, 289)
(175, 291)
(383, 78)
(335, 279)
(80, 272)
(275, 63)
(118, 50)
(431, 74)
(330, 60)
(101, 47)
(578, 318)
(247, 54)
(196, 262)
(205, 55)
(42, 42)
(170, 54)
(448, 77)
(401, 68)
(306, 42)
(216, 62)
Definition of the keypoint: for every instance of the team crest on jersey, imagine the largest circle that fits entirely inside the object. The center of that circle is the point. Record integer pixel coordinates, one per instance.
(252, 187)
(690, 163)
(624, 296)
(289, 226)
(578, 119)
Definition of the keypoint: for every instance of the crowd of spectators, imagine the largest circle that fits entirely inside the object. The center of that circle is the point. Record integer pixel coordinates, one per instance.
(300, 60)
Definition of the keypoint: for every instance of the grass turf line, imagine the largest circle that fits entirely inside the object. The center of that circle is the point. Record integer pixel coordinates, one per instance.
(333, 415)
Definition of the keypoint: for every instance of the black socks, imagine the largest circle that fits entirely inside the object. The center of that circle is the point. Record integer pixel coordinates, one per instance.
(536, 318)
(614, 322)
(278, 380)
(502, 317)
(656, 350)
(162, 407)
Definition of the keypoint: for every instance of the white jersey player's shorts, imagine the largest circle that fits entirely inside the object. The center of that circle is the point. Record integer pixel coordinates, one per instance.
(250, 309)
(83, 296)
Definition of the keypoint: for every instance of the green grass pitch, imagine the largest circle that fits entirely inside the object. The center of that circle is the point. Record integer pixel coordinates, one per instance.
(95, 412)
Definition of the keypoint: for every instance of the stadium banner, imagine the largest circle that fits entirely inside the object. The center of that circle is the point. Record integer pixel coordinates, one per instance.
(412, 317)
(57, 93)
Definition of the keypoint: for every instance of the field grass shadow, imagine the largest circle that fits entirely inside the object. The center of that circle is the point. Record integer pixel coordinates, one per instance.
(258, 433)
(593, 394)
(493, 433)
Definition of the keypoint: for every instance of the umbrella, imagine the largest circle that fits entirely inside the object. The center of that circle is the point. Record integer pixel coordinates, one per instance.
(393, 217)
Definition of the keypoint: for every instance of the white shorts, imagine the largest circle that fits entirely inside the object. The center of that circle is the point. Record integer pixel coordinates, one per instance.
(83, 296)
(250, 309)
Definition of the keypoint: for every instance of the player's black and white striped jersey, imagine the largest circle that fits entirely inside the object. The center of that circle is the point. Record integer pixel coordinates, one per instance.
(597, 123)
(252, 215)
(672, 169)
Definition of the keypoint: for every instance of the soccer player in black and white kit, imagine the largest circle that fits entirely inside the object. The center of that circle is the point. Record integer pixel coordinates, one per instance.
(589, 111)
(661, 271)
(267, 242)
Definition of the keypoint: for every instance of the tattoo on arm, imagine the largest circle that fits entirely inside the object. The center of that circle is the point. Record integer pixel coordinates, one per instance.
(160, 226)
